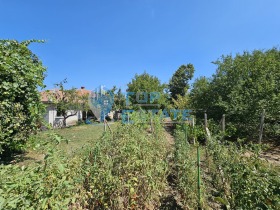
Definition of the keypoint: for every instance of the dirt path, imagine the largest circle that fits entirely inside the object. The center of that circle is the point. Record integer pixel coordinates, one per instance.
(169, 201)
(170, 139)
(272, 155)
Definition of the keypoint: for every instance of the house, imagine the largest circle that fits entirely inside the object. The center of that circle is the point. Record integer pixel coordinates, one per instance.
(53, 117)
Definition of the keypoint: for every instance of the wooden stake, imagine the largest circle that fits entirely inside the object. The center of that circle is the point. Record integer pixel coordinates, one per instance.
(193, 127)
(261, 126)
(152, 129)
(208, 133)
(205, 125)
(223, 125)
(105, 121)
(205, 120)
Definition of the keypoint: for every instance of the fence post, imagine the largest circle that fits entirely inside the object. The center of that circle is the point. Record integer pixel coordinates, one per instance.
(205, 120)
(261, 126)
(193, 130)
(205, 125)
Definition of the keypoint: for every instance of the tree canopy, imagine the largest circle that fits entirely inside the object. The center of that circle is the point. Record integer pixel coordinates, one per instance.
(179, 83)
(148, 84)
(119, 99)
(21, 73)
(242, 87)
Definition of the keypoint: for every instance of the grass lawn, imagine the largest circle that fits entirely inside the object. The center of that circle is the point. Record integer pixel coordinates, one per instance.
(79, 137)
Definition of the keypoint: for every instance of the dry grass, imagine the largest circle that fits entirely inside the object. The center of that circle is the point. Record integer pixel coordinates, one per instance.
(79, 137)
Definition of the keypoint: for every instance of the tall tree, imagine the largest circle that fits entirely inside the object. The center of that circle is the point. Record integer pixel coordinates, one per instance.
(21, 73)
(179, 83)
(151, 85)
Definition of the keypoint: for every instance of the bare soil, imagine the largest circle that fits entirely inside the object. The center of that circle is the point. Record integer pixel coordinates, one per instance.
(272, 154)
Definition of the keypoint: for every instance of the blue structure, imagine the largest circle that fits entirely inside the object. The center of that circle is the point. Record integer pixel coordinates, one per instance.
(101, 102)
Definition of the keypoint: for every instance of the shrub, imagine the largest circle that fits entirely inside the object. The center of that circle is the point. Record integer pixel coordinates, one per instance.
(21, 72)
(55, 184)
(243, 181)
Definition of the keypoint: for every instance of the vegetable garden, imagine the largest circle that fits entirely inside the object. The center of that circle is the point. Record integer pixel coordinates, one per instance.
(131, 169)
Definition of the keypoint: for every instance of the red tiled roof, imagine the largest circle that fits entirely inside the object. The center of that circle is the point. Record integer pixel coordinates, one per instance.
(45, 98)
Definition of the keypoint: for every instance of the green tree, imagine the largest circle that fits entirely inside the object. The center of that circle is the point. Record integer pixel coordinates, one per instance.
(179, 83)
(242, 87)
(68, 102)
(201, 96)
(182, 102)
(145, 83)
(119, 99)
(21, 73)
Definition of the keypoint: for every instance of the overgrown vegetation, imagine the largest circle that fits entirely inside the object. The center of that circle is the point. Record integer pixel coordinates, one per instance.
(120, 171)
(133, 166)
(233, 174)
(241, 178)
(55, 184)
(241, 88)
(186, 169)
(21, 73)
(127, 170)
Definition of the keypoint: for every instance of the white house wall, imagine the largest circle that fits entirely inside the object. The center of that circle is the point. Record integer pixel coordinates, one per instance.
(74, 119)
(50, 116)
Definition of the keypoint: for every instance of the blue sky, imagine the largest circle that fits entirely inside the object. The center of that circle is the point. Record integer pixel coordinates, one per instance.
(106, 42)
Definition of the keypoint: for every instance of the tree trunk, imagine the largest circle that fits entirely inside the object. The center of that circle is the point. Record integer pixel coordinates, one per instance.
(64, 122)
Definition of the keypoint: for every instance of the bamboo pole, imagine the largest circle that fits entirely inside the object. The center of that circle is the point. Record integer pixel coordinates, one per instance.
(193, 128)
(205, 125)
(186, 133)
(198, 178)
